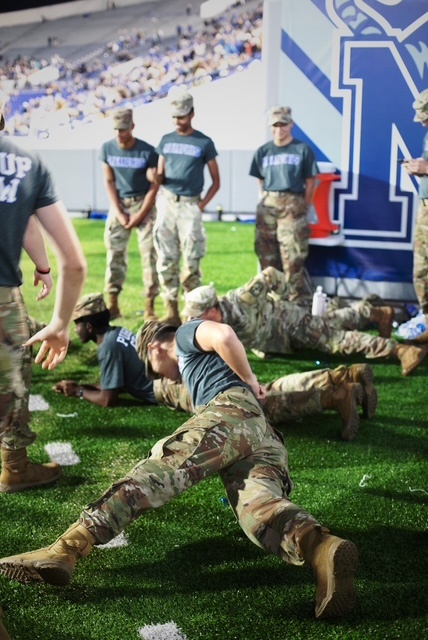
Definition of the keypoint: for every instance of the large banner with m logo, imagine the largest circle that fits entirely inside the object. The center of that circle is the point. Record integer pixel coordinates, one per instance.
(350, 70)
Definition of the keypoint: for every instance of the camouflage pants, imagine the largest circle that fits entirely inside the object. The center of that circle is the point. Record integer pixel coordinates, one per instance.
(355, 317)
(316, 379)
(15, 371)
(293, 325)
(283, 402)
(294, 399)
(179, 231)
(420, 257)
(315, 333)
(229, 436)
(282, 238)
(116, 240)
(173, 394)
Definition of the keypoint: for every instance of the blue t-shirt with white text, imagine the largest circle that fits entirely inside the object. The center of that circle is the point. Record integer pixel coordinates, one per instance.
(121, 367)
(185, 160)
(129, 166)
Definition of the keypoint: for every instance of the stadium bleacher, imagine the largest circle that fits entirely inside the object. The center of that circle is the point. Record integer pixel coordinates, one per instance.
(84, 55)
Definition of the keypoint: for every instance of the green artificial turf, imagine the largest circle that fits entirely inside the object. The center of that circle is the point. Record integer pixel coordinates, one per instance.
(189, 562)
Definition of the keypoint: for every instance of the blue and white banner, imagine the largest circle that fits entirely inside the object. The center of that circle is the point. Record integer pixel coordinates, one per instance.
(350, 70)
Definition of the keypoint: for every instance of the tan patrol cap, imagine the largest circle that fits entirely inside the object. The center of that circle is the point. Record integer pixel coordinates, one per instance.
(89, 305)
(199, 300)
(279, 114)
(122, 119)
(182, 105)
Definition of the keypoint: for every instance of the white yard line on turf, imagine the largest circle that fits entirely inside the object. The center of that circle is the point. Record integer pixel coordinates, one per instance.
(167, 631)
(63, 453)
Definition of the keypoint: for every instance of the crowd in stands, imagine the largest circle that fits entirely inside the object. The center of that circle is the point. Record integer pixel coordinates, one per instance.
(135, 68)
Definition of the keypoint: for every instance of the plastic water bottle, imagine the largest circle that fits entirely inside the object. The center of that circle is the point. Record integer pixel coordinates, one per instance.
(319, 302)
(413, 328)
(416, 331)
(412, 310)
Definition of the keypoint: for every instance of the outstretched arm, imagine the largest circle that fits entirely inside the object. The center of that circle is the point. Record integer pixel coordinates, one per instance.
(221, 338)
(90, 392)
(34, 245)
(71, 274)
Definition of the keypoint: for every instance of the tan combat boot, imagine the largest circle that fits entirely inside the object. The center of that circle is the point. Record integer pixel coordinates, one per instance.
(172, 316)
(113, 306)
(345, 399)
(19, 473)
(383, 317)
(54, 564)
(149, 310)
(334, 562)
(363, 374)
(410, 357)
(3, 632)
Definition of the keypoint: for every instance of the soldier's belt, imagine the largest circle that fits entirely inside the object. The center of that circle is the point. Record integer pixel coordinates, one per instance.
(9, 294)
(131, 199)
(175, 197)
(281, 194)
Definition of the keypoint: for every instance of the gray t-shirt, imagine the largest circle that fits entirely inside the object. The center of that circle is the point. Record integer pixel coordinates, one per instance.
(204, 372)
(25, 185)
(121, 368)
(284, 168)
(129, 166)
(185, 160)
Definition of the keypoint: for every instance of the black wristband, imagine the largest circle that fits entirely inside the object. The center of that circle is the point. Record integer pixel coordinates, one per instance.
(45, 272)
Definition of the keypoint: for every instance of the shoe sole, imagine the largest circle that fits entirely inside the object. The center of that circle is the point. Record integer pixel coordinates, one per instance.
(35, 572)
(341, 595)
(12, 488)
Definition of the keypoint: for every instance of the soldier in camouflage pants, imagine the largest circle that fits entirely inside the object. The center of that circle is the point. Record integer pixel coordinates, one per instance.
(123, 371)
(265, 321)
(184, 155)
(228, 435)
(30, 195)
(419, 167)
(128, 165)
(282, 238)
(116, 239)
(286, 171)
(178, 229)
(15, 372)
(420, 257)
(294, 396)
